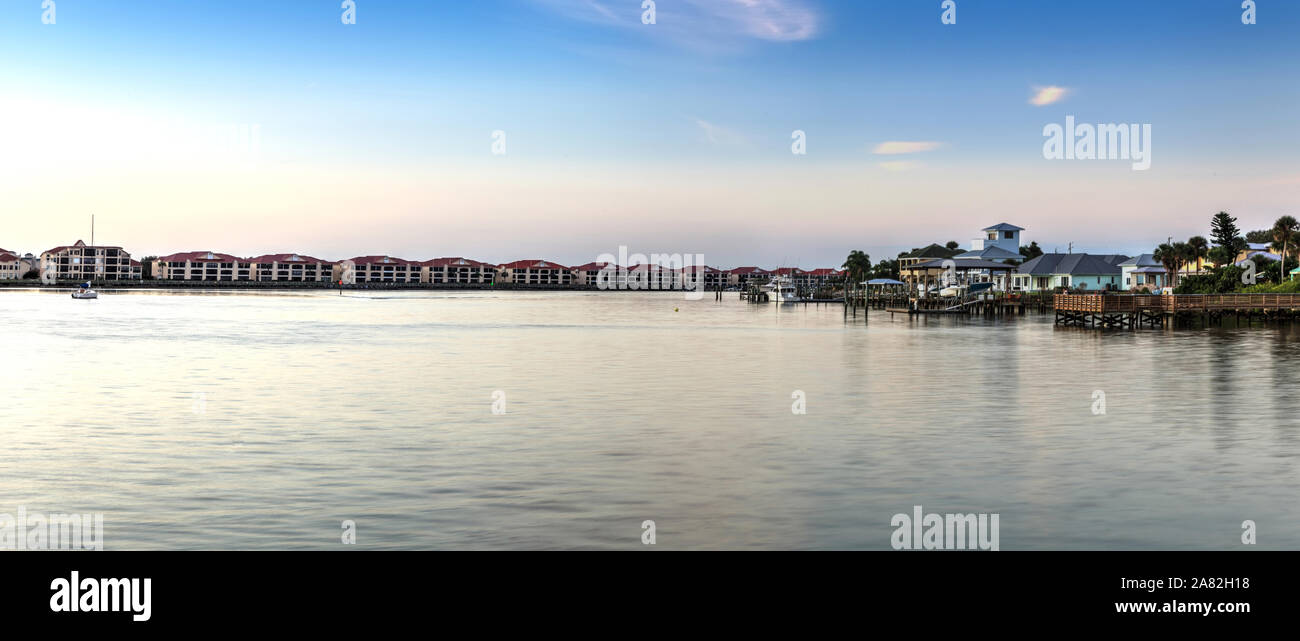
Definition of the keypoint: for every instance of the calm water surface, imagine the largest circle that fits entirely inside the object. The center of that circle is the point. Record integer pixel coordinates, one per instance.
(263, 421)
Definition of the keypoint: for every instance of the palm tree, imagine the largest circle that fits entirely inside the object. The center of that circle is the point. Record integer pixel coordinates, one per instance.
(1183, 252)
(1200, 249)
(858, 265)
(1284, 235)
(1168, 256)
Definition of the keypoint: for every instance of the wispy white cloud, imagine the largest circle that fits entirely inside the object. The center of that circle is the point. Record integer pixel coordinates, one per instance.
(891, 147)
(717, 134)
(1048, 95)
(702, 24)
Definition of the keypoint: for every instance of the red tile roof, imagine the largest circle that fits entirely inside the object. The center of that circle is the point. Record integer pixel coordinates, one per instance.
(790, 271)
(383, 260)
(691, 269)
(7, 257)
(288, 258)
(533, 264)
(63, 247)
(824, 271)
(456, 261)
(646, 267)
(79, 243)
(750, 270)
(592, 267)
(201, 257)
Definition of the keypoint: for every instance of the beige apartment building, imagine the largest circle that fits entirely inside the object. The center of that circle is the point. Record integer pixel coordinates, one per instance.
(292, 268)
(535, 272)
(589, 275)
(202, 265)
(81, 262)
(743, 276)
(458, 271)
(655, 277)
(11, 266)
(711, 278)
(378, 269)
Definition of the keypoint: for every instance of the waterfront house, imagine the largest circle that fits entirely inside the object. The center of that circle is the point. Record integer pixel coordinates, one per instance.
(292, 268)
(1072, 271)
(535, 272)
(378, 269)
(1001, 243)
(933, 251)
(80, 262)
(745, 276)
(202, 265)
(1252, 249)
(459, 271)
(921, 277)
(1143, 272)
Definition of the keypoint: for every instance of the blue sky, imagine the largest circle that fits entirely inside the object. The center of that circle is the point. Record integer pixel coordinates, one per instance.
(671, 137)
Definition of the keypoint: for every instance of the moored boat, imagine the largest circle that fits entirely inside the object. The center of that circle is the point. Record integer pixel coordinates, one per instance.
(85, 293)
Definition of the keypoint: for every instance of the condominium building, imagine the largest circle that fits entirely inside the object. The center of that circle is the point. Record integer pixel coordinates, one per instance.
(292, 268)
(202, 265)
(823, 277)
(798, 277)
(459, 271)
(379, 269)
(80, 261)
(743, 276)
(649, 276)
(711, 278)
(535, 272)
(11, 266)
(589, 275)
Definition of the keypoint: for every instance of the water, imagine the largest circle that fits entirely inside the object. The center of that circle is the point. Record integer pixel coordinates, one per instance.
(262, 421)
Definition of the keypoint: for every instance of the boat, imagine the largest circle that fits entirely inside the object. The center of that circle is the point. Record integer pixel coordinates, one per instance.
(85, 293)
(782, 290)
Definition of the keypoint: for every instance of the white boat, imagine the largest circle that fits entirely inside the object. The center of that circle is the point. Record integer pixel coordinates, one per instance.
(85, 293)
(781, 290)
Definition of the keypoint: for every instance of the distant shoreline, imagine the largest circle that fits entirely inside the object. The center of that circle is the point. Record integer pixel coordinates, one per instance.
(109, 286)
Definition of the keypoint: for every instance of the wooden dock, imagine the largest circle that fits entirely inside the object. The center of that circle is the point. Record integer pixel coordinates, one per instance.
(1111, 311)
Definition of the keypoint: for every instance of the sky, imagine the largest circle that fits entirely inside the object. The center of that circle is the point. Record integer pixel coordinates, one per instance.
(563, 129)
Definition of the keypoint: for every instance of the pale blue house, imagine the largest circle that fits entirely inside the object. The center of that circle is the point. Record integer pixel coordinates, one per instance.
(1094, 272)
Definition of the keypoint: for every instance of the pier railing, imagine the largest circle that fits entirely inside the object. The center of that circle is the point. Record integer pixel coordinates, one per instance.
(1173, 303)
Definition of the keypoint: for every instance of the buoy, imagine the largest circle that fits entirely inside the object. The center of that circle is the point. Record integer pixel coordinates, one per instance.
(674, 309)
